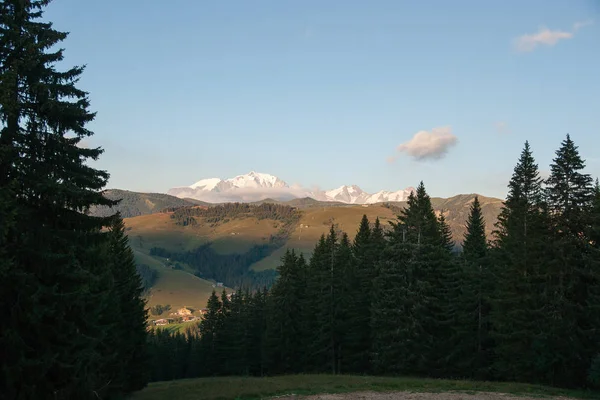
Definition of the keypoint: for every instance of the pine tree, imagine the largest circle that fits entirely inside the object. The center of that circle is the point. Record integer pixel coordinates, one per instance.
(571, 275)
(55, 293)
(445, 233)
(409, 314)
(128, 334)
(391, 315)
(472, 346)
(209, 328)
(345, 289)
(378, 242)
(284, 328)
(359, 336)
(312, 312)
(519, 255)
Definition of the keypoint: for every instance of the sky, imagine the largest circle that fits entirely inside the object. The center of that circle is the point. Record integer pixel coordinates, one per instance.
(379, 93)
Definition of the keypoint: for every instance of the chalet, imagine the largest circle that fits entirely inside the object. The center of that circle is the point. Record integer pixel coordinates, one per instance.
(203, 311)
(184, 311)
(159, 322)
(188, 318)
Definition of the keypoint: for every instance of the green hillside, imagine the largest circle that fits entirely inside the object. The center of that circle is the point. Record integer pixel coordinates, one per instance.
(177, 288)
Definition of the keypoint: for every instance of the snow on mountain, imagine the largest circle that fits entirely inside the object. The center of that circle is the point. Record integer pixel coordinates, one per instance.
(347, 194)
(255, 186)
(385, 196)
(248, 187)
(206, 184)
(257, 180)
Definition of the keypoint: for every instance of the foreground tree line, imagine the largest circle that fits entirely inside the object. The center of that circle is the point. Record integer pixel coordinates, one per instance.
(73, 323)
(521, 307)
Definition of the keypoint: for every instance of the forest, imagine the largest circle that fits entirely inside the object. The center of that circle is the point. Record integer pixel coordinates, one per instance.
(231, 269)
(523, 306)
(223, 213)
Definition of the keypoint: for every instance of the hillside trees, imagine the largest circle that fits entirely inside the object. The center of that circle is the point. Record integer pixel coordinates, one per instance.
(524, 307)
(55, 294)
(284, 333)
(410, 317)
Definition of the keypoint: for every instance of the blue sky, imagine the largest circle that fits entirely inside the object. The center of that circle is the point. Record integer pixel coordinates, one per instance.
(324, 92)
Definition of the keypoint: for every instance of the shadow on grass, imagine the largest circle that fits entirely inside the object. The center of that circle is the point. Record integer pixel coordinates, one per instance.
(247, 388)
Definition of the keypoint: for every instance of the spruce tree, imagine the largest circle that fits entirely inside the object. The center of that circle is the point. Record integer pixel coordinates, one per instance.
(409, 314)
(209, 328)
(284, 327)
(55, 293)
(519, 254)
(571, 276)
(313, 311)
(345, 289)
(359, 336)
(378, 242)
(471, 352)
(128, 334)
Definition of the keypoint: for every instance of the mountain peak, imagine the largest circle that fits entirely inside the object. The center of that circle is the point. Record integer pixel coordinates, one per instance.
(255, 186)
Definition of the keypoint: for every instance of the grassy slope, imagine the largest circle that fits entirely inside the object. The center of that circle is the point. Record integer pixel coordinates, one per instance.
(257, 388)
(177, 288)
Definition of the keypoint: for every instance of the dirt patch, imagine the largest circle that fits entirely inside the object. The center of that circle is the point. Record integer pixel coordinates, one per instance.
(415, 396)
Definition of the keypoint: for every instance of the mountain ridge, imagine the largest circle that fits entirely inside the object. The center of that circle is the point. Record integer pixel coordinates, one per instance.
(257, 186)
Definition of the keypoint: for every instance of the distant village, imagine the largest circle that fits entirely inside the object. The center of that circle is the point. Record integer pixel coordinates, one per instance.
(184, 314)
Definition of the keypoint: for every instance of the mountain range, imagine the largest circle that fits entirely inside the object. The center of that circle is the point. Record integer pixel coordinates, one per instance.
(256, 186)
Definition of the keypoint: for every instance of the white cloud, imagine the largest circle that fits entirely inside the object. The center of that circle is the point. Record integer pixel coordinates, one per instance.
(546, 37)
(432, 144)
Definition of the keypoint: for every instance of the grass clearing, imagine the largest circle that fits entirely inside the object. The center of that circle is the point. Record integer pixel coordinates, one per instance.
(177, 288)
(259, 388)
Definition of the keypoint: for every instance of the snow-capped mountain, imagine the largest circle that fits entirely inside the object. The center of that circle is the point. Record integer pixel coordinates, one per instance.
(240, 188)
(255, 186)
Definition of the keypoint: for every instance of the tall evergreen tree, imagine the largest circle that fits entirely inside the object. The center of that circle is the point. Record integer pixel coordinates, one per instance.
(209, 328)
(520, 253)
(359, 336)
(54, 295)
(572, 274)
(284, 328)
(345, 288)
(312, 311)
(409, 308)
(471, 351)
(128, 333)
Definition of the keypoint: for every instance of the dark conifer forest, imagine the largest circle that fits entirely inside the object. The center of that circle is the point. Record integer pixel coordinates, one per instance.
(520, 307)
(397, 300)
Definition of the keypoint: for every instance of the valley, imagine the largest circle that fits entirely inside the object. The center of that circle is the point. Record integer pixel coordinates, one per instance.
(235, 247)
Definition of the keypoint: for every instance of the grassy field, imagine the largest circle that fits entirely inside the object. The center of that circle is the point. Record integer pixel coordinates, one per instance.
(176, 288)
(258, 388)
